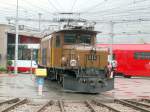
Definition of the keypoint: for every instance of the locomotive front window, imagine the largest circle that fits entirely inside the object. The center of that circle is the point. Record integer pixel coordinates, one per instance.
(85, 39)
(69, 38)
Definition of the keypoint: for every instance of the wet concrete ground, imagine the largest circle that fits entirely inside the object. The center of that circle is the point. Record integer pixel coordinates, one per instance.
(25, 86)
(135, 87)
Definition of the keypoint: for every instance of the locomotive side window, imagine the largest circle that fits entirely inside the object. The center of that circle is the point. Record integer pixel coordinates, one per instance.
(69, 38)
(57, 41)
(85, 39)
(142, 55)
(44, 56)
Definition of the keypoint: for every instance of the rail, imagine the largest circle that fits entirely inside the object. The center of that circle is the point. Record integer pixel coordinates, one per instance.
(10, 101)
(104, 105)
(15, 105)
(61, 105)
(138, 103)
(131, 105)
(90, 106)
(44, 106)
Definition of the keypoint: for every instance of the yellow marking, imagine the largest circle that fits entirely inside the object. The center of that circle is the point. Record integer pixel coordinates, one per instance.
(41, 72)
(52, 57)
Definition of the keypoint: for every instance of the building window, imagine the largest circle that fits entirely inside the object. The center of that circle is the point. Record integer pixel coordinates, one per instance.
(11, 52)
(23, 53)
(142, 55)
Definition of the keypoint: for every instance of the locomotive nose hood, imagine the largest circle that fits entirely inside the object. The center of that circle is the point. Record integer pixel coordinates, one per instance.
(85, 56)
(90, 48)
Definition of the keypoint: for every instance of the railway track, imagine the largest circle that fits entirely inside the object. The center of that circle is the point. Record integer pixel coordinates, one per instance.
(116, 105)
(7, 103)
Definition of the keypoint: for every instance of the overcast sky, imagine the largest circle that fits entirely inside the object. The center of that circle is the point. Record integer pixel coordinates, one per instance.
(88, 9)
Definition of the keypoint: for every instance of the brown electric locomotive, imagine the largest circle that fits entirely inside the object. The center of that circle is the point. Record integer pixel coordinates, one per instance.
(72, 59)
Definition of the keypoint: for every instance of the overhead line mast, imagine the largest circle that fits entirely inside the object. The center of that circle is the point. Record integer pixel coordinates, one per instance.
(16, 42)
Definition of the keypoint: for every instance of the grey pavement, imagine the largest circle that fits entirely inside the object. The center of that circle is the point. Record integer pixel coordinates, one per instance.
(135, 87)
(25, 86)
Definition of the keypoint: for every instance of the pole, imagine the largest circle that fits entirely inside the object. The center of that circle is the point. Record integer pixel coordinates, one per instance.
(31, 60)
(40, 21)
(16, 42)
(111, 39)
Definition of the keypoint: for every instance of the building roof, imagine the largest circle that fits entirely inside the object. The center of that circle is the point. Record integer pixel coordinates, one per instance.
(24, 31)
(127, 46)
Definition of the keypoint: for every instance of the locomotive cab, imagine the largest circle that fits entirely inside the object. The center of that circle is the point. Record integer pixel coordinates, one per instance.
(72, 59)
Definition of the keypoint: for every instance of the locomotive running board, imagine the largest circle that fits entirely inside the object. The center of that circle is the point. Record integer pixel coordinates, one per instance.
(74, 84)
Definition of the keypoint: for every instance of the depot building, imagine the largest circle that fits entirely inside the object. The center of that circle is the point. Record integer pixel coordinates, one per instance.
(26, 42)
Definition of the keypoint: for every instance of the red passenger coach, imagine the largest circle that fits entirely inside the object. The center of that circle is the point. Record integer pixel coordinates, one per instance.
(132, 59)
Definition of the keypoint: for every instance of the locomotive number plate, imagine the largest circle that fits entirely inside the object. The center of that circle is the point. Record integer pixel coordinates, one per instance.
(91, 57)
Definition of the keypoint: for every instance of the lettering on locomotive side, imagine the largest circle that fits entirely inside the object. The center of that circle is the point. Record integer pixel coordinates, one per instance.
(92, 57)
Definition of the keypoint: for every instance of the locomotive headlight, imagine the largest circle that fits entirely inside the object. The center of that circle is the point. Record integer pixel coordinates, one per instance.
(64, 61)
(73, 63)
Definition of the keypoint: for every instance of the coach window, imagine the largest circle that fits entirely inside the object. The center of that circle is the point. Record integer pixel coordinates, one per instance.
(69, 38)
(142, 55)
(57, 41)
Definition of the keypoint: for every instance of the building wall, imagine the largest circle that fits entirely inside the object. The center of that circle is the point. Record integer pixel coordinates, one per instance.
(3, 45)
(24, 39)
(124, 33)
(26, 45)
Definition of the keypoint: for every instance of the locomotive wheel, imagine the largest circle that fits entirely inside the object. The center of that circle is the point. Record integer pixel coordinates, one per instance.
(60, 79)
